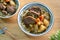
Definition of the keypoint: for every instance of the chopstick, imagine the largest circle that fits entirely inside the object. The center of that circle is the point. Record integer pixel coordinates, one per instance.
(4, 28)
(11, 35)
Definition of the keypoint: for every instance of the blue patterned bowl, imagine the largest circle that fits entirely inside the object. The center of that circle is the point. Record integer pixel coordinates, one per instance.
(40, 5)
(17, 6)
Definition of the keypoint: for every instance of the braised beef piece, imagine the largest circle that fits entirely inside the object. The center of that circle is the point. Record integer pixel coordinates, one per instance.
(35, 15)
(11, 9)
(36, 10)
(29, 20)
(2, 7)
(4, 12)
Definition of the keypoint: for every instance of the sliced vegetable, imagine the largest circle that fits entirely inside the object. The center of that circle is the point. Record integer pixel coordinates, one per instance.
(35, 28)
(4, 3)
(31, 28)
(47, 16)
(41, 17)
(12, 3)
(38, 21)
(42, 28)
(1, 0)
(46, 22)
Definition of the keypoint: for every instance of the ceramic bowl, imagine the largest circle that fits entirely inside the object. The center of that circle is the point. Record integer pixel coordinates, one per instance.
(40, 5)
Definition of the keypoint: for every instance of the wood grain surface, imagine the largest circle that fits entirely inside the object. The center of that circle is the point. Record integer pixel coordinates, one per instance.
(12, 24)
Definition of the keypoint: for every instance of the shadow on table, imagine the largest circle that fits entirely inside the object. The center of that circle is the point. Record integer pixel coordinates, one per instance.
(9, 20)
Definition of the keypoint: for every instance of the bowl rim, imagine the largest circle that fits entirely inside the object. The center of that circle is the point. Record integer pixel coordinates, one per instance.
(31, 33)
(14, 13)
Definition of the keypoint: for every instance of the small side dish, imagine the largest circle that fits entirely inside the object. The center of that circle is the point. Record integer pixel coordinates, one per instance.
(35, 19)
(7, 7)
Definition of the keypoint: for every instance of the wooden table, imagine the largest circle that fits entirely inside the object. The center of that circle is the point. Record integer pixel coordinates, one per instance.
(12, 24)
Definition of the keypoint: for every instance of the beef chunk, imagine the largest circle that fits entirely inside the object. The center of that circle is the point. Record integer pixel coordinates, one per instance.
(33, 14)
(11, 9)
(4, 12)
(36, 10)
(2, 6)
(29, 20)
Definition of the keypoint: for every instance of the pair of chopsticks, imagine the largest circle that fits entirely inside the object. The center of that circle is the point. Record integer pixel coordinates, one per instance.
(4, 29)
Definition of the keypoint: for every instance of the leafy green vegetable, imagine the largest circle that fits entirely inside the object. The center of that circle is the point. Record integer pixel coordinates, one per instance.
(55, 36)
